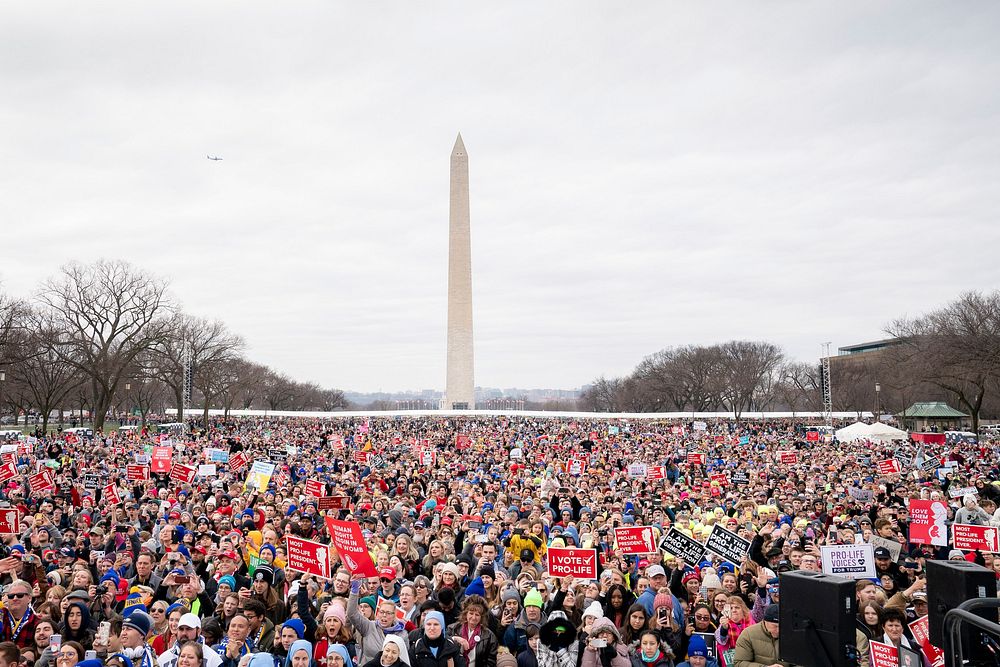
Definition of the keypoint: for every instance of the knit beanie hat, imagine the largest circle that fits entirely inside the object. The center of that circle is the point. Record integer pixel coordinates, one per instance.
(533, 599)
(594, 609)
(697, 647)
(336, 611)
(663, 600)
(435, 616)
(505, 658)
(511, 594)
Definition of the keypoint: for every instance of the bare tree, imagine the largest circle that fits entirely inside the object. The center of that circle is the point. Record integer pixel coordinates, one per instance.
(46, 376)
(207, 342)
(107, 314)
(956, 348)
(215, 379)
(746, 373)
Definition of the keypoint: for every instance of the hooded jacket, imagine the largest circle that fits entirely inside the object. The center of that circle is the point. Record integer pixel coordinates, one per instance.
(372, 634)
(299, 645)
(610, 656)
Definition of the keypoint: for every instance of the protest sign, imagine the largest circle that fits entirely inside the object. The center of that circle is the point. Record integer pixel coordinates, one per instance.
(975, 538)
(922, 637)
(428, 457)
(462, 441)
(143, 459)
(361, 457)
(40, 481)
(929, 522)
(216, 455)
(8, 471)
(656, 472)
(883, 655)
(740, 477)
(315, 488)
(308, 557)
(162, 460)
(260, 475)
(859, 494)
(637, 470)
(238, 461)
(853, 561)
(206, 470)
(109, 495)
(962, 492)
(183, 473)
(333, 503)
(894, 547)
(136, 473)
(576, 466)
(696, 458)
(635, 540)
(700, 426)
(727, 545)
(719, 479)
(812, 436)
(10, 522)
(788, 456)
(346, 538)
(683, 547)
(571, 562)
(889, 467)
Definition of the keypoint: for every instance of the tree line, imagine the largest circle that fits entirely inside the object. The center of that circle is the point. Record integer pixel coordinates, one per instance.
(950, 354)
(107, 336)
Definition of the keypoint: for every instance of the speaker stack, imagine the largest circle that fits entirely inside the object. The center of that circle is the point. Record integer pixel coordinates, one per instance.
(817, 614)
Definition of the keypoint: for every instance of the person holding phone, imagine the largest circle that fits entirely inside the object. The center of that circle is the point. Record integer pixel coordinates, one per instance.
(605, 647)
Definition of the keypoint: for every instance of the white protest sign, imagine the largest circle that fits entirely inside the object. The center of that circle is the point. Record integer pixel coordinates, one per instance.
(894, 547)
(853, 561)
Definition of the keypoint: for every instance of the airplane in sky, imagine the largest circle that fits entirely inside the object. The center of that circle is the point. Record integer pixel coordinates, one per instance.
(213, 158)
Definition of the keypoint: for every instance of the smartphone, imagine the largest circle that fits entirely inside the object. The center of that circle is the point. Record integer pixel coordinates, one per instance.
(475, 525)
(596, 642)
(662, 614)
(181, 579)
(55, 643)
(90, 655)
(103, 635)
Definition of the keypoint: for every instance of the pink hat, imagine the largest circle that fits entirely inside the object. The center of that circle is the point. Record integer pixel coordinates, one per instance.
(335, 611)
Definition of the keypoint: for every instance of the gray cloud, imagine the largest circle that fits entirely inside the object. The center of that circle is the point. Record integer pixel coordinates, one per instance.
(643, 175)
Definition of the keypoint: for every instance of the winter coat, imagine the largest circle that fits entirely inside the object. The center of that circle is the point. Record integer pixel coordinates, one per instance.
(757, 648)
(485, 653)
(620, 658)
(449, 655)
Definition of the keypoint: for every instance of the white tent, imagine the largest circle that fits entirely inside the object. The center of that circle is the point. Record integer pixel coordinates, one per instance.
(885, 433)
(877, 432)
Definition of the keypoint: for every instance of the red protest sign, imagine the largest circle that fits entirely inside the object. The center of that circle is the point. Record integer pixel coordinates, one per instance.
(238, 461)
(656, 472)
(975, 538)
(361, 457)
(183, 473)
(719, 479)
(109, 495)
(462, 441)
(633, 540)
(788, 456)
(346, 538)
(889, 467)
(40, 481)
(929, 522)
(593, 435)
(576, 466)
(697, 458)
(884, 655)
(9, 457)
(570, 562)
(136, 473)
(309, 557)
(333, 503)
(7, 471)
(336, 441)
(922, 636)
(10, 522)
(162, 459)
(719, 439)
(812, 436)
(315, 488)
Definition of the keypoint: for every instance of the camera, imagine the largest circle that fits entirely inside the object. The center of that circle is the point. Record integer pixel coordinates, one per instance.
(102, 590)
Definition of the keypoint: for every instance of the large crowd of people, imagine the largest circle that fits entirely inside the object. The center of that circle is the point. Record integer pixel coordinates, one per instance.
(458, 515)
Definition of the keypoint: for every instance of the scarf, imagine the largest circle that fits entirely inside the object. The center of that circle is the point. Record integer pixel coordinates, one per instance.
(471, 636)
(656, 658)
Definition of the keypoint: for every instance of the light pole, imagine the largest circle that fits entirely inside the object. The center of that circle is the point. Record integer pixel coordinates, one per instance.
(878, 407)
(3, 379)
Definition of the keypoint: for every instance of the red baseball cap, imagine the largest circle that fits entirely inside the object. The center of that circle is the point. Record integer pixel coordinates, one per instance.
(387, 573)
(229, 554)
(446, 521)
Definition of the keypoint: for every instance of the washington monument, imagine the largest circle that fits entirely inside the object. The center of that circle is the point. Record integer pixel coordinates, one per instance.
(459, 391)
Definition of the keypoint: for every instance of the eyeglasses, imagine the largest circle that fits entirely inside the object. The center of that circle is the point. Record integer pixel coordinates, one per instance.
(17, 596)
(384, 581)
(702, 617)
(421, 585)
(156, 611)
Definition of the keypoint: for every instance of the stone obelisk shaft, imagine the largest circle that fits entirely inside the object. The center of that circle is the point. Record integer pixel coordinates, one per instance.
(460, 386)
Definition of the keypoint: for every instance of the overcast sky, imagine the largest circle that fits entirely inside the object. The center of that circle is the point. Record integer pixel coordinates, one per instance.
(643, 174)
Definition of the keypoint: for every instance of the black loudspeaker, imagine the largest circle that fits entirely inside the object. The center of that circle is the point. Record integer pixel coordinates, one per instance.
(949, 584)
(817, 619)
